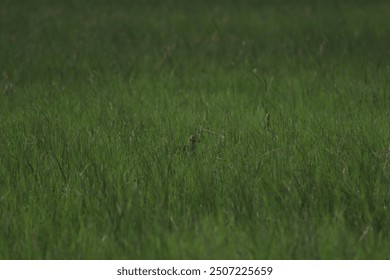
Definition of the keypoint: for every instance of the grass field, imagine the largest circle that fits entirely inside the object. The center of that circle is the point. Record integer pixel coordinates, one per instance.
(204, 130)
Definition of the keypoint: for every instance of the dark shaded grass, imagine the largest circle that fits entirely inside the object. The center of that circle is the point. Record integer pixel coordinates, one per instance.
(288, 102)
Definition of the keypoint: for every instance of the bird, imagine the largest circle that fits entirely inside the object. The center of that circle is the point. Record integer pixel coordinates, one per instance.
(190, 146)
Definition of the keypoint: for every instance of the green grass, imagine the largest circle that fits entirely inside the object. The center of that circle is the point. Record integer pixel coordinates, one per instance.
(289, 103)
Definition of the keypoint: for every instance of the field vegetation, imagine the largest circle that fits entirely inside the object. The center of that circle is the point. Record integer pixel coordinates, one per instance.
(194, 129)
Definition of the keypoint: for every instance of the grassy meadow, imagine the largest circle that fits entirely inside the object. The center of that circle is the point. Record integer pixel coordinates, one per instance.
(194, 129)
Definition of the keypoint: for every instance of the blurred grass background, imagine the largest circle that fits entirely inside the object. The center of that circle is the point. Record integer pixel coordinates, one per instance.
(288, 99)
